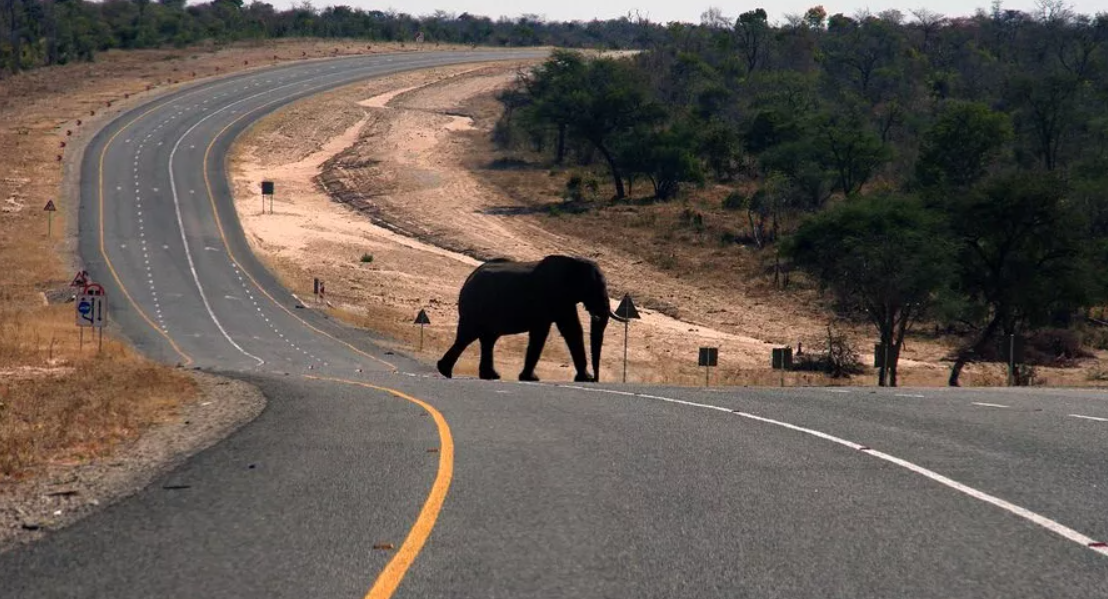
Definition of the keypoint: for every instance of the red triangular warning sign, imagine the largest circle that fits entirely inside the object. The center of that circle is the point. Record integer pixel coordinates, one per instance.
(421, 318)
(50, 206)
(80, 279)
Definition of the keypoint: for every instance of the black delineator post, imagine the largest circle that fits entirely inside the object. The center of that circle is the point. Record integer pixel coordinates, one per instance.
(709, 357)
(626, 311)
(781, 358)
(422, 320)
(626, 331)
(267, 190)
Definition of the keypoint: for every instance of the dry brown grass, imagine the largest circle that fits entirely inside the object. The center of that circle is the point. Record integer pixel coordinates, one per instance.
(58, 402)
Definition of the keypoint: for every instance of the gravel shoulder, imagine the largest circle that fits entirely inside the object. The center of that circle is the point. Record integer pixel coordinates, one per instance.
(62, 494)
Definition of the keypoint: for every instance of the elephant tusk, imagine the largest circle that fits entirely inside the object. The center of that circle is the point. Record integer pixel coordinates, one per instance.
(617, 318)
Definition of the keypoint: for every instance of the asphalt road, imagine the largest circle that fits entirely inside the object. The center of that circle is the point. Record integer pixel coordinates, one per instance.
(399, 483)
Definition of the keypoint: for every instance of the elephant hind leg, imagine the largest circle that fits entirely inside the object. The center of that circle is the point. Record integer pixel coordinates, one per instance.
(464, 339)
(486, 370)
(535, 344)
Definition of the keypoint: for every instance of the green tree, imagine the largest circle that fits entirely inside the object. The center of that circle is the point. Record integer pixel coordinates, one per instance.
(884, 256)
(1021, 259)
(551, 87)
(959, 147)
(752, 33)
(849, 147)
(611, 102)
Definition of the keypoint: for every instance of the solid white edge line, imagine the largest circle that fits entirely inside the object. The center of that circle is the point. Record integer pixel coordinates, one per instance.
(188, 252)
(1042, 521)
(1096, 418)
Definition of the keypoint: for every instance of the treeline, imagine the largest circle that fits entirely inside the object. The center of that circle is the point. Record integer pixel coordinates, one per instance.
(954, 170)
(44, 32)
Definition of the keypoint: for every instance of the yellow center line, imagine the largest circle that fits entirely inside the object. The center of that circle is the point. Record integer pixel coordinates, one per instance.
(389, 579)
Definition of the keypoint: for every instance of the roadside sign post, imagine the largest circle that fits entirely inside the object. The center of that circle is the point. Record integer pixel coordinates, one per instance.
(626, 311)
(709, 357)
(267, 191)
(1011, 349)
(50, 209)
(782, 360)
(422, 320)
(90, 313)
(883, 357)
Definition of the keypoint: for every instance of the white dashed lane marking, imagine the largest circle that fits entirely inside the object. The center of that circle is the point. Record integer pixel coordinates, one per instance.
(989, 405)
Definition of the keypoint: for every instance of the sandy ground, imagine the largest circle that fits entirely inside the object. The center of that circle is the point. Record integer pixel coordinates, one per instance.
(384, 168)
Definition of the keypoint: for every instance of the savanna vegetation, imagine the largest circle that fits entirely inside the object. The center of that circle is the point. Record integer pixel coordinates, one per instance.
(915, 167)
(45, 32)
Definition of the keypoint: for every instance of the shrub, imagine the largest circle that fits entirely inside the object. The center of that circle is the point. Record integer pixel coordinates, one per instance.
(574, 189)
(734, 201)
(367, 258)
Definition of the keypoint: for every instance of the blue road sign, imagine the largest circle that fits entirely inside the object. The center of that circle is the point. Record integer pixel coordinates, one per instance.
(90, 311)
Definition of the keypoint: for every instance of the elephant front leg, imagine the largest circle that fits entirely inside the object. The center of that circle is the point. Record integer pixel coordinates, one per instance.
(535, 343)
(570, 328)
(486, 370)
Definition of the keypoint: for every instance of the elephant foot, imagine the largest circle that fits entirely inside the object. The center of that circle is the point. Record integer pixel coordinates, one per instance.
(528, 377)
(583, 377)
(489, 375)
(445, 370)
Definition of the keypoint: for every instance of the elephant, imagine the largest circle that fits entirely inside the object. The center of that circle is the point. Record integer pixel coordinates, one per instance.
(504, 297)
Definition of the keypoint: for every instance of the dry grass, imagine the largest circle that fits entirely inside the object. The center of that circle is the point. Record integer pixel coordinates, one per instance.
(58, 402)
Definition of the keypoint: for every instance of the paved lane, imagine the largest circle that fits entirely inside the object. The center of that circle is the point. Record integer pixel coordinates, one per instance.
(515, 490)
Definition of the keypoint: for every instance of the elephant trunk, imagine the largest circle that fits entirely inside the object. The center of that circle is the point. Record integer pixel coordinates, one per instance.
(596, 339)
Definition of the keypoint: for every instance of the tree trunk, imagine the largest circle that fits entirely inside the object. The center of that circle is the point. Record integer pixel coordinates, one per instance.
(14, 36)
(561, 144)
(616, 177)
(975, 349)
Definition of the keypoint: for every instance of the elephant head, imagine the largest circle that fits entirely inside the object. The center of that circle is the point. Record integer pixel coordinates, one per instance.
(592, 291)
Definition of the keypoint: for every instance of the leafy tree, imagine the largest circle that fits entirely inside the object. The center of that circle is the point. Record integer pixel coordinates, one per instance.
(849, 147)
(551, 89)
(666, 158)
(1021, 257)
(612, 101)
(752, 33)
(883, 256)
(958, 148)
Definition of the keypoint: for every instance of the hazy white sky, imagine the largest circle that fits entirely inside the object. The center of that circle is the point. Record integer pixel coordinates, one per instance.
(670, 10)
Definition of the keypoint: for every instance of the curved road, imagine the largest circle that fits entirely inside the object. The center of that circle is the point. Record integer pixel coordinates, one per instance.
(365, 474)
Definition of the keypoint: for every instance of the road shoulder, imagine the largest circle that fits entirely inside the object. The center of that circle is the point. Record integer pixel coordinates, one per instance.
(63, 493)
